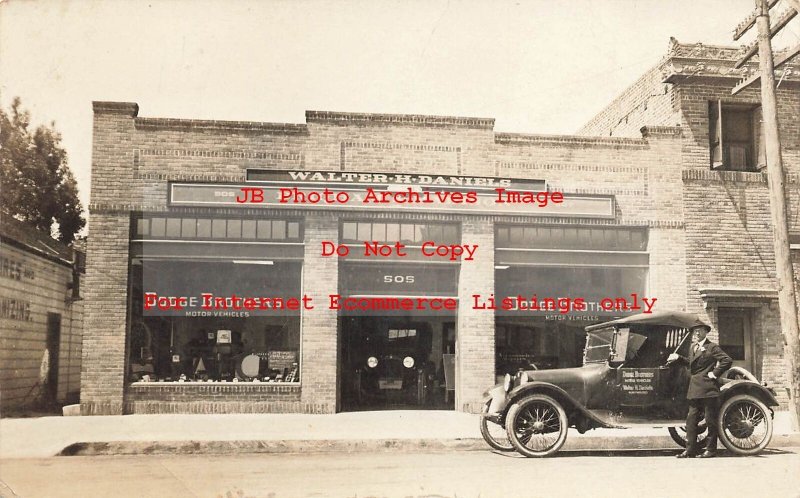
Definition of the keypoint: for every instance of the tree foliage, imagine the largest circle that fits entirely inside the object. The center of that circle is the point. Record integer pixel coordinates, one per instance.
(36, 184)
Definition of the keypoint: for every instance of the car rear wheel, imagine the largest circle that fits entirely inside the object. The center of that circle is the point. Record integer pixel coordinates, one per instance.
(537, 425)
(494, 434)
(745, 425)
(678, 435)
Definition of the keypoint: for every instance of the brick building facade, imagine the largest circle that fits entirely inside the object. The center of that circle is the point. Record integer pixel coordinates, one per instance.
(651, 209)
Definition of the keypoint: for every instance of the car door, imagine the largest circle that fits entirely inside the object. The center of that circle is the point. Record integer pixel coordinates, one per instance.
(649, 389)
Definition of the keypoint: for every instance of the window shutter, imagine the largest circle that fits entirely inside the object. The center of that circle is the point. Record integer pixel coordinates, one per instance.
(715, 134)
(759, 139)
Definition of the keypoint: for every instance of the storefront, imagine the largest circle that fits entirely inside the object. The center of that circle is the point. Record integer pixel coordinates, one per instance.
(374, 261)
(216, 297)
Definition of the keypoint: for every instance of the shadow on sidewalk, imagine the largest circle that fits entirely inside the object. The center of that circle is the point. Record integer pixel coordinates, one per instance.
(643, 453)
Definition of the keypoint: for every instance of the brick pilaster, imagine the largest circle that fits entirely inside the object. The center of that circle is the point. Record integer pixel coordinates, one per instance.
(103, 359)
(475, 332)
(319, 326)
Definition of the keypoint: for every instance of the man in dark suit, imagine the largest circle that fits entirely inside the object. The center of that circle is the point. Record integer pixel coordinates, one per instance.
(706, 361)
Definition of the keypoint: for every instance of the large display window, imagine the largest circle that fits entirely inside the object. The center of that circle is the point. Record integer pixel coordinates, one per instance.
(198, 315)
(188, 349)
(556, 281)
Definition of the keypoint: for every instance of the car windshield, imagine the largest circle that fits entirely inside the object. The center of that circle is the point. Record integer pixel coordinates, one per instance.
(598, 345)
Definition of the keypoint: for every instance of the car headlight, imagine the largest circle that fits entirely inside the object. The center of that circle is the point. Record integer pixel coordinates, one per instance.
(522, 378)
(408, 362)
(507, 383)
(372, 362)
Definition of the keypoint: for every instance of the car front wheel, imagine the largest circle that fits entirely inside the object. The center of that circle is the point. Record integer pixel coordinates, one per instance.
(537, 425)
(494, 434)
(745, 425)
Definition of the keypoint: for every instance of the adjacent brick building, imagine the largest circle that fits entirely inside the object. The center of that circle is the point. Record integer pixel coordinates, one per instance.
(652, 209)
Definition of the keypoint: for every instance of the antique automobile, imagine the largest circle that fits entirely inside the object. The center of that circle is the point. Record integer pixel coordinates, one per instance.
(391, 378)
(392, 367)
(625, 380)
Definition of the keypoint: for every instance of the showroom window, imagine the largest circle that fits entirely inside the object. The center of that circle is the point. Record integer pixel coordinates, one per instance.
(547, 269)
(191, 322)
(230, 313)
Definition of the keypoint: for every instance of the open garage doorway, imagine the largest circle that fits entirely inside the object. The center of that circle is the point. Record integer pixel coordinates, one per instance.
(397, 362)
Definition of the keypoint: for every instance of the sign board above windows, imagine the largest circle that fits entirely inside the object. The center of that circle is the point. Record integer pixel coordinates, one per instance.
(332, 179)
(398, 279)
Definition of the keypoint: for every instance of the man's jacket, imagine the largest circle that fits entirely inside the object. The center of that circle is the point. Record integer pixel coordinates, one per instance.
(708, 358)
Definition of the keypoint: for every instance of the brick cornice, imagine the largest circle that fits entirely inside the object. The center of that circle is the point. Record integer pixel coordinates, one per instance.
(354, 118)
(154, 124)
(703, 51)
(661, 131)
(123, 108)
(712, 61)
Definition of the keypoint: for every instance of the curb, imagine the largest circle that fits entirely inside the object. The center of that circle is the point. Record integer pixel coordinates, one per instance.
(580, 443)
(275, 446)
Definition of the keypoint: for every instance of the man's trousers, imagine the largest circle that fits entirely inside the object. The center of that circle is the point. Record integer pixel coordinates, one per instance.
(699, 407)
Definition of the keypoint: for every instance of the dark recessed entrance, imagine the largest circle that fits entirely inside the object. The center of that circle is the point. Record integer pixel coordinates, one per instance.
(397, 331)
(397, 362)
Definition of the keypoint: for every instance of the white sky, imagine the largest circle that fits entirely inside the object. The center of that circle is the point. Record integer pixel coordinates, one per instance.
(535, 66)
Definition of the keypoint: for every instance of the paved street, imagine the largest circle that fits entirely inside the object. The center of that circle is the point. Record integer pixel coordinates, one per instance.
(454, 474)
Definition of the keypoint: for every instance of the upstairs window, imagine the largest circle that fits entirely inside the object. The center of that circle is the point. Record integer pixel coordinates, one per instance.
(735, 137)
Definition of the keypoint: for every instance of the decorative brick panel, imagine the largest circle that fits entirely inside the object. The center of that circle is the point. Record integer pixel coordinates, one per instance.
(379, 157)
(213, 398)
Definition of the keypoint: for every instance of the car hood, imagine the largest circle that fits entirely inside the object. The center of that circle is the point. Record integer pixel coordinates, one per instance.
(558, 375)
(578, 382)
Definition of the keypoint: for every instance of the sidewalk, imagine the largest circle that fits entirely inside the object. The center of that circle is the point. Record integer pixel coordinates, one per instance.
(357, 431)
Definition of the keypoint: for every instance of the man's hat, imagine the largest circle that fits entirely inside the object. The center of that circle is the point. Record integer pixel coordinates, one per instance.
(701, 326)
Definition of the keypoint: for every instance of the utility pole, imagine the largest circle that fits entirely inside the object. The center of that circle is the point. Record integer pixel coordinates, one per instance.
(787, 301)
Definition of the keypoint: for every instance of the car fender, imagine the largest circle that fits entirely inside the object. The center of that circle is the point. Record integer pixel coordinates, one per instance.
(563, 397)
(744, 386)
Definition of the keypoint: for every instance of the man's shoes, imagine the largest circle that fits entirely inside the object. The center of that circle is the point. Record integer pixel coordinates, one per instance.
(685, 454)
(707, 454)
